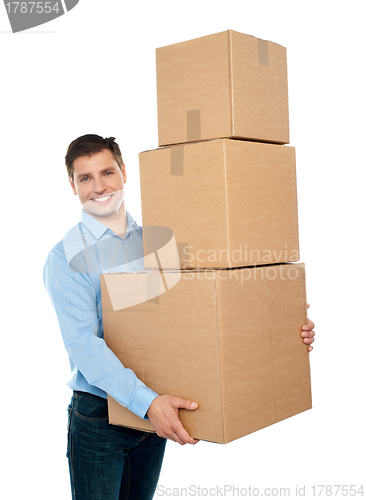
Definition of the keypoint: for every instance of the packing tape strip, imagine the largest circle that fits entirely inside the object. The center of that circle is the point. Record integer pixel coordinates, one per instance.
(193, 125)
(176, 160)
(263, 52)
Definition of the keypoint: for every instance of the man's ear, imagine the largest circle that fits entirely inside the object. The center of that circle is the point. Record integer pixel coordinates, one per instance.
(123, 169)
(72, 186)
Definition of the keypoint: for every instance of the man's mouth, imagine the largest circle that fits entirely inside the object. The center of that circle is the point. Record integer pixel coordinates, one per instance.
(102, 199)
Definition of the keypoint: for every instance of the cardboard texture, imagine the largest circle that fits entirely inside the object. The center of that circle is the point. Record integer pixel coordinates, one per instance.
(228, 339)
(224, 85)
(229, 203)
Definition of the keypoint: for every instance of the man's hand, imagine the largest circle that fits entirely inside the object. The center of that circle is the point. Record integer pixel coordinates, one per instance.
(163, 414)
(308, 333)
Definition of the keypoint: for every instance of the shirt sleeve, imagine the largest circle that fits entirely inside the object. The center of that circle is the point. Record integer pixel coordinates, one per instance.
(74, 299)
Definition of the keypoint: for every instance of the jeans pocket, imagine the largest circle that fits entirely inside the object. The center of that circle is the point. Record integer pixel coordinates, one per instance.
(91, 419)
(91, 410)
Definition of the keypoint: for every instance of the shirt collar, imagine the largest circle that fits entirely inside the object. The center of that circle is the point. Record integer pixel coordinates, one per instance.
(131, 223)
(97, 229)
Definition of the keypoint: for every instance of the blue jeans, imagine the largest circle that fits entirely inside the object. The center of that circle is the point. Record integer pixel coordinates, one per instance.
(109, 462)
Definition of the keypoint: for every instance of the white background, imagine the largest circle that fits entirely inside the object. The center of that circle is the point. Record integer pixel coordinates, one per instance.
(93, 71)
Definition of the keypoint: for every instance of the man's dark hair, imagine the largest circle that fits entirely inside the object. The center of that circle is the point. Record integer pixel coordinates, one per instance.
(88, 145)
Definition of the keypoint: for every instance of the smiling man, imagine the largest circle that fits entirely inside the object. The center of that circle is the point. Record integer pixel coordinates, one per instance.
(98, 181)
(106, 462)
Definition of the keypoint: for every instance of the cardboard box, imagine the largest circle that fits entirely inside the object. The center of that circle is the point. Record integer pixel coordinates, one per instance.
(228, 339)
(223, 85)
(229, 203)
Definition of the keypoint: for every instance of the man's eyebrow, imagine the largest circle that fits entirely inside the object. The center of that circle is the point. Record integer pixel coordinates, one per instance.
(87, 174)
(81, 176)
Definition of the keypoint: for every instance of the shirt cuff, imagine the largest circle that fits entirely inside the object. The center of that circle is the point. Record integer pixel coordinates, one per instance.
(141, 401)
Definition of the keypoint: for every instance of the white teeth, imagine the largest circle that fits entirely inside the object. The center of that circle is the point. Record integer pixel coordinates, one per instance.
(104, 198)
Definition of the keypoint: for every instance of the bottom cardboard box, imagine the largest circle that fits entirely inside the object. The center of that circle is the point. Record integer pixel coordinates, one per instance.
(228, 339)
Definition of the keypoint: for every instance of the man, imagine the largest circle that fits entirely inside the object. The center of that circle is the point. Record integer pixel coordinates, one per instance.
(106, 462)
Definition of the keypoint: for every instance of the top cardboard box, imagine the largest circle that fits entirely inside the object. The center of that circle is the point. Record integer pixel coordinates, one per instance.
(222, 85)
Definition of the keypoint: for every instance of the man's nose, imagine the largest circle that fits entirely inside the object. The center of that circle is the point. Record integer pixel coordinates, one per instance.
(99, 186)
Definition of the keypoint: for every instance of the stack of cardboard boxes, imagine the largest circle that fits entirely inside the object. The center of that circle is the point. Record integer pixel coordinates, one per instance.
(216, 316)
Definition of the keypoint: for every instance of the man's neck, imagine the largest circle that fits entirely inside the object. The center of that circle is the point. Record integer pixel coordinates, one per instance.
(117, 222)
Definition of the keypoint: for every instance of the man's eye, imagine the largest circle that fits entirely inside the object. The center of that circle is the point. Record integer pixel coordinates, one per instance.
(107, 173)
(84, 179)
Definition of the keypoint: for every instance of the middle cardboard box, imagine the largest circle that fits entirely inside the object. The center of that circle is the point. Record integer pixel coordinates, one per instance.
(230, 203)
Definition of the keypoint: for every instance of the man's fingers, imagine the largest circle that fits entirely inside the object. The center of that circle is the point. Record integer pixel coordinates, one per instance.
(309, 325)
(306, 334)
(182, 440)
(183, 437)
(178, 434)
(163, 414)
(185, 403)
(308, 340)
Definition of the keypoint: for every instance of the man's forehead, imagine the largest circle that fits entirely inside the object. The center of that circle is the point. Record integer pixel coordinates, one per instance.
(95, 163)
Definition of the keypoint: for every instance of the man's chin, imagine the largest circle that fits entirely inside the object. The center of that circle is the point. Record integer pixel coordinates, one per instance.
(100, 211)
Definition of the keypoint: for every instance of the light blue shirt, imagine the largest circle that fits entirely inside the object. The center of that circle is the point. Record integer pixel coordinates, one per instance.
(72, 279)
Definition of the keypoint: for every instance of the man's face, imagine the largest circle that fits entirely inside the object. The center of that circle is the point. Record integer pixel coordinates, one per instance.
(99, 184)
